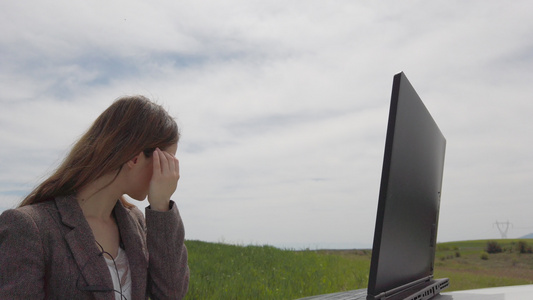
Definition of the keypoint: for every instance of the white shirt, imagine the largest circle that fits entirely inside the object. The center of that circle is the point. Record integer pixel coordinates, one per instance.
(122, 281)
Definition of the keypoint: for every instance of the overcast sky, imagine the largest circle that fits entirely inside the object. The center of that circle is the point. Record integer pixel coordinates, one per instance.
(282, 105)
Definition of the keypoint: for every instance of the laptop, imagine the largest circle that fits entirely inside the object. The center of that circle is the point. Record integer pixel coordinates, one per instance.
(405, 235)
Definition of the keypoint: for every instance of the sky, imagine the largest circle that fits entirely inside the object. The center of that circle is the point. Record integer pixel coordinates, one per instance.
(282, 106)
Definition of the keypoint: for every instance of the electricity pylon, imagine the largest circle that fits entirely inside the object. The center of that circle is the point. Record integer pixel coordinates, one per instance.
(503, 227)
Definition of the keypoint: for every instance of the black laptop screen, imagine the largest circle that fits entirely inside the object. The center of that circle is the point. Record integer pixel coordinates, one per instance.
(409, 198)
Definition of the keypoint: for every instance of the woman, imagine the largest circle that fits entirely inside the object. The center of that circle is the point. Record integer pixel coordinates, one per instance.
(76, 237)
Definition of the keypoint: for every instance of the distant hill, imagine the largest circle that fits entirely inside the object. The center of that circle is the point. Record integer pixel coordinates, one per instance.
(528, 236)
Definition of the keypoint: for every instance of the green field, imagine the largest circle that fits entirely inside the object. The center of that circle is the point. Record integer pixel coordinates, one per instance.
(221, 271)
(462, 263)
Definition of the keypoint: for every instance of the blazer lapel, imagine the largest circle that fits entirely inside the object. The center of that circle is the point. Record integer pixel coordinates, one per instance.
(133, 238)
(94, 273)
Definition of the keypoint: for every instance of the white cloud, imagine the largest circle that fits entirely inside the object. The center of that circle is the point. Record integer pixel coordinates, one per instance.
(282, 105)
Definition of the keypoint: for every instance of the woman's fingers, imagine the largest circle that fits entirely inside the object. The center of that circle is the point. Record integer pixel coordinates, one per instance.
(156, 163)
(173, 164)
(164, 179)
(166, 163)
(163, 161)
(176, 167)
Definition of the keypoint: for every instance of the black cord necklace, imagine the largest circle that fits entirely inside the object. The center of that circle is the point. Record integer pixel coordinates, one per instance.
(116, 269)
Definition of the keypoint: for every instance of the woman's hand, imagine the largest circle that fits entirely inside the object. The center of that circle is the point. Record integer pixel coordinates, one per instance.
(165, 176)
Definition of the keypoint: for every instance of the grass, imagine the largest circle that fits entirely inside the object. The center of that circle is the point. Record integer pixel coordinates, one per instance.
(462, 263)
(221, 271)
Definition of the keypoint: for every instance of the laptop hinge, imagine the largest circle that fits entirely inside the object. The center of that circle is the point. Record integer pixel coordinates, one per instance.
(402, 288)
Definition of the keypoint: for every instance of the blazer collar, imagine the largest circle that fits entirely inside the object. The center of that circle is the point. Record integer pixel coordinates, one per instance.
(87, 254)
(94, 273)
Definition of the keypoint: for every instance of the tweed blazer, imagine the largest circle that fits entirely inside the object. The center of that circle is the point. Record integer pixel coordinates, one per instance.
(48, 251)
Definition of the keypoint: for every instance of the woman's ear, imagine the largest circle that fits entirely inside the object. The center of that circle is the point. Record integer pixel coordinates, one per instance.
(135, 160)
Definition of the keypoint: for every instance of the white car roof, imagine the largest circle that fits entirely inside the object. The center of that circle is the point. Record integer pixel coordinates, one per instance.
(517, 292)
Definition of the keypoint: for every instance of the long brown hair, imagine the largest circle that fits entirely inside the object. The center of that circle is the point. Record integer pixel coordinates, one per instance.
(130, 125)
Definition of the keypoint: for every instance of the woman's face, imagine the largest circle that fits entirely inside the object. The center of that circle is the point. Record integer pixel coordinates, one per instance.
(142, 175)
